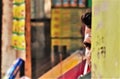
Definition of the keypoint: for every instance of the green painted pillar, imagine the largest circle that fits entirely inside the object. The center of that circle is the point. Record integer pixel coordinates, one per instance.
(89, 3)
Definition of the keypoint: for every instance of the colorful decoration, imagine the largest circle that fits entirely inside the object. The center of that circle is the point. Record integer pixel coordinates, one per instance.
(73, 3)
(66, 3)
(57, 3)
(82, 3)
(18, 30)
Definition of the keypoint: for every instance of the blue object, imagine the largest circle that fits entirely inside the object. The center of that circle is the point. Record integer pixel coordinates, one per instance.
(12, 72)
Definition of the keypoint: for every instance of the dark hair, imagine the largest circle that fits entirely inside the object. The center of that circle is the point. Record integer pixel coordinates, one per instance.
(86, 19)
(82, 31)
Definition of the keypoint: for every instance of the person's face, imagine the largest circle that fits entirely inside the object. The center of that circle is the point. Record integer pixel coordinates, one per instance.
(87, 44)
(87, 39)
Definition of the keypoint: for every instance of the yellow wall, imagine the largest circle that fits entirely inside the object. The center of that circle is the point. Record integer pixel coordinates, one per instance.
(106, 39)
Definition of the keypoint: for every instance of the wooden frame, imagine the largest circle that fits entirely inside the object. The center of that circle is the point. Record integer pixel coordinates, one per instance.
(28, 41)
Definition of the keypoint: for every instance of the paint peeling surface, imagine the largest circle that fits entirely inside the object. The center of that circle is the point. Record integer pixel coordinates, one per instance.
(105, 39)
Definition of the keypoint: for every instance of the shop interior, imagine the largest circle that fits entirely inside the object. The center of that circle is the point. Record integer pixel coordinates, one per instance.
(55, 31)
(52, 33)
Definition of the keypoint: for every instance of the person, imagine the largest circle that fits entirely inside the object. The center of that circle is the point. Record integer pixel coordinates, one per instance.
(86, 20)
(82, 68)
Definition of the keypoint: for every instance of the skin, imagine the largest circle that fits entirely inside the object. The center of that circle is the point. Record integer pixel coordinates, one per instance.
(88, 40)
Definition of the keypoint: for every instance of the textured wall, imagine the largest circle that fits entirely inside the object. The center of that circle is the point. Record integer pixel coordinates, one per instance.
(8, 53)
(106, 39)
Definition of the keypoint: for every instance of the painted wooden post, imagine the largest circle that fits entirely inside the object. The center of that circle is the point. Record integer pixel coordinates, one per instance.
(28, 41)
